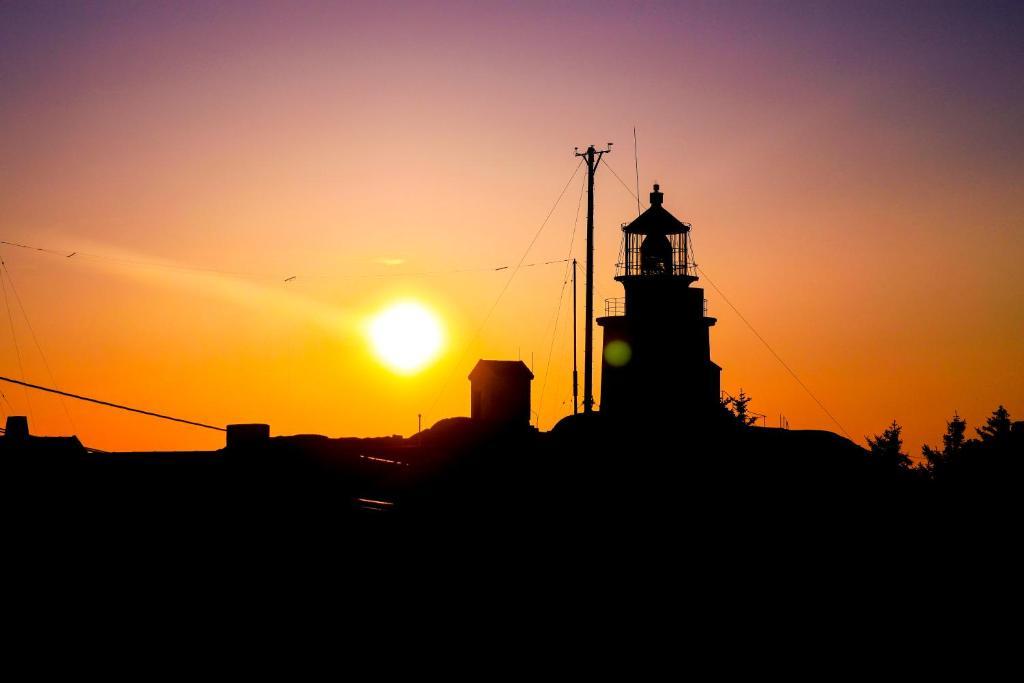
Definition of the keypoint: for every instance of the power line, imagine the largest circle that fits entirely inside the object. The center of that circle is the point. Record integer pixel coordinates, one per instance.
(268, 276)
(504, 289)
(14, 337)
(756, 333)
(623, 182)
(112, 405)
(134, 262)
(35, 339)
(770, 349)
(558, 308)
(602, 293)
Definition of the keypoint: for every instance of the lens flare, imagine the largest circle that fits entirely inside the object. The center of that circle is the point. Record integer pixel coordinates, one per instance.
(618, 353)
(406, 337)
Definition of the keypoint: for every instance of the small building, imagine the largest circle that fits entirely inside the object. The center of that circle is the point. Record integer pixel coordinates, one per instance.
(500, 393)
(17, 428)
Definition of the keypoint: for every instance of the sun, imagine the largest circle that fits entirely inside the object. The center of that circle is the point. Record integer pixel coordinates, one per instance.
(406, 336)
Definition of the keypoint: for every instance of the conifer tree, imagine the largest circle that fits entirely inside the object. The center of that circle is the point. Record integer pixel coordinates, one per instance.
(887, 447)
(996, 430)
(737, 407)
(952, 444)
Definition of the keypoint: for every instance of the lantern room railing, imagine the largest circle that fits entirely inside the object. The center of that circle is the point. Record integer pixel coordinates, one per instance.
(617, 306)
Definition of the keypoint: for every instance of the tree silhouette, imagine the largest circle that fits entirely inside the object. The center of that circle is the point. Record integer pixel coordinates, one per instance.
(952, 445)
(887, 447)
(737, 407)
(996, 431)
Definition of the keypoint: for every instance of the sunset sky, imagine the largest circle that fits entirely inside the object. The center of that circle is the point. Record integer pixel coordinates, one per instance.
(854, 174)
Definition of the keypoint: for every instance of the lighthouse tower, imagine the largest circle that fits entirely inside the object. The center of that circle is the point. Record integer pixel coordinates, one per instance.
(656, 359)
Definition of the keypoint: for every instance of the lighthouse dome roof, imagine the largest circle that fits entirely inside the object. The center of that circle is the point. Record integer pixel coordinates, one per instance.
(656, 220)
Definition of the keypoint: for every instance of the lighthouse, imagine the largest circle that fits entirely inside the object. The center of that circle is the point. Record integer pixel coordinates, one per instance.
(656, 358)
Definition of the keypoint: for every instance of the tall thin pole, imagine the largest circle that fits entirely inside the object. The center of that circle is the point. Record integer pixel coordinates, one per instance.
(636, 166)
(593, 158)
(588, 337)
(575, 372)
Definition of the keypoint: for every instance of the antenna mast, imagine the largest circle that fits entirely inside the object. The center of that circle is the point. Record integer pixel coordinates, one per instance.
(575, 373)
(636, 165)
(593, 159)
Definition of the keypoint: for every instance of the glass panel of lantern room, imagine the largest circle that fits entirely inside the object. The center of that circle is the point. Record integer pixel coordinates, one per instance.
(656, 255)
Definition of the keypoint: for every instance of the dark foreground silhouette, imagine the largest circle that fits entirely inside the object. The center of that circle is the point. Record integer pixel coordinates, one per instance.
(589, 475)
(615, 528)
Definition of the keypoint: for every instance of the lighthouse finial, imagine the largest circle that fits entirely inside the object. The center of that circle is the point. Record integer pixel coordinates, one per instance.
(657, 196)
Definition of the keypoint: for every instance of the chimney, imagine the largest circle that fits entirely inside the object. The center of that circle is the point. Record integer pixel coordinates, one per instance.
(17, 428)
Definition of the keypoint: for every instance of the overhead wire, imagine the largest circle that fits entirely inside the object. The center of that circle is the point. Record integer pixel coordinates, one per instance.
(109, 404)
(518, 266)
(4, 399)
(4, 270)
(774, 353)
(558, 308)
(504, 289)
(35, 339)
(292, 277)
(752, 329)
(17, 349)
(623, 183)
(600, 292)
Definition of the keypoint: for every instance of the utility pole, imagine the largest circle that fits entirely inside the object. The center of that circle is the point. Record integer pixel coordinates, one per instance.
(593, 158)
(575, 372)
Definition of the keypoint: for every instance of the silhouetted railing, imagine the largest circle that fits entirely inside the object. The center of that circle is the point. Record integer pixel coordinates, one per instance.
(678, 269)
(615, 306)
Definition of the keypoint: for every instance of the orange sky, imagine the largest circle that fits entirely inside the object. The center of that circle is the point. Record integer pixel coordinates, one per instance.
(853, 177)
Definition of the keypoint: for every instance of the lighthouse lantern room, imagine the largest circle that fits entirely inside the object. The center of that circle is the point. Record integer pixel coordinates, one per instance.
(657, 354)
